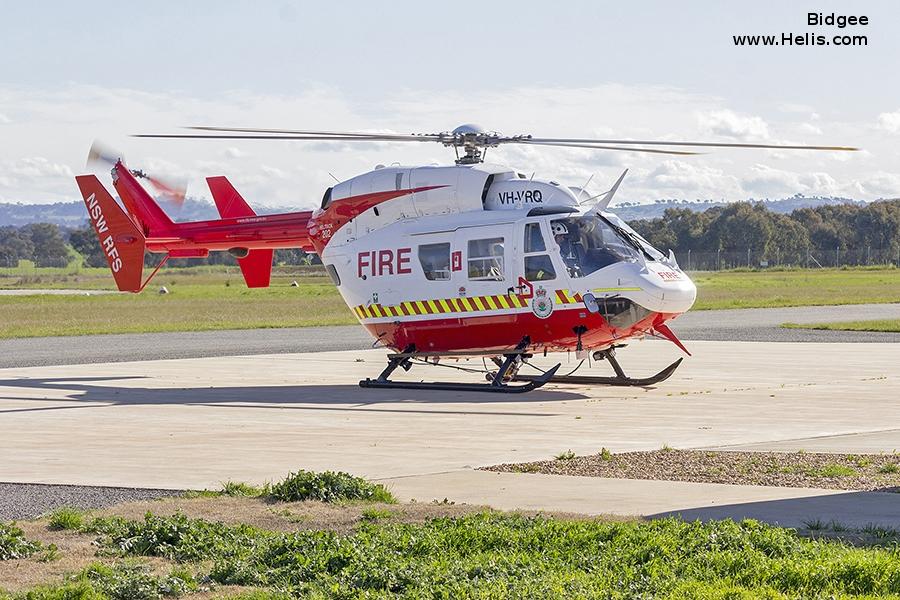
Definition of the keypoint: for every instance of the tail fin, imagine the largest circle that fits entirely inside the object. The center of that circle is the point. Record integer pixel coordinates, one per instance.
(256, 265)
(143, 209)
(121, 240)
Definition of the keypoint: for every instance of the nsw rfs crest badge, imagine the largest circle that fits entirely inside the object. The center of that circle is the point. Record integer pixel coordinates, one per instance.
(541, 304)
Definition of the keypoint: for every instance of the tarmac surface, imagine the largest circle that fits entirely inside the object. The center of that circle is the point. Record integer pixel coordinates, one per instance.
(752, 324)
(194, 423)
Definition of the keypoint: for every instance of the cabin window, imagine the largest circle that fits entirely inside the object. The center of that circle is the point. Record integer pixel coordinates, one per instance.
(332, 272)
(538, 267)
(486, 259)
(435, 260)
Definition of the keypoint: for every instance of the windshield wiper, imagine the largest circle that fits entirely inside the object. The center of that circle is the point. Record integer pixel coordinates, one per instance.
(629, 237)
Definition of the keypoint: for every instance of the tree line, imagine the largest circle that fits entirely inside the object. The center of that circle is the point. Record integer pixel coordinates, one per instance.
(49, 245)
(870, 230)
(740, 227)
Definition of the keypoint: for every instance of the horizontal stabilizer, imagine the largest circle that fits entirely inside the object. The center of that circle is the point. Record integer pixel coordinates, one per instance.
(122, 242)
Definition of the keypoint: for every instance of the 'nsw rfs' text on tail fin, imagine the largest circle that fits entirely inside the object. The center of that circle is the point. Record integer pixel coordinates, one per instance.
(121, 240)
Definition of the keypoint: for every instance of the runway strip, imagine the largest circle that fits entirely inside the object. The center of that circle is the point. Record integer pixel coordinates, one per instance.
(752, 324)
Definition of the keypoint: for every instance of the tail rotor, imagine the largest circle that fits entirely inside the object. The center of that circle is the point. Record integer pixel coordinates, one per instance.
(172, 189)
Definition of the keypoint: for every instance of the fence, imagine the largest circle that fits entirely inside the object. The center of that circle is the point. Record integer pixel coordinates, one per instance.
(756, 259)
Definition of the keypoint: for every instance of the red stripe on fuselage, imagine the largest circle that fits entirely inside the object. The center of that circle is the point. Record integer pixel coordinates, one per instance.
(498, 332)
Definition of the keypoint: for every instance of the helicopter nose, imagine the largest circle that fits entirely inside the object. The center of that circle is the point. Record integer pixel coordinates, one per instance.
(670, 289)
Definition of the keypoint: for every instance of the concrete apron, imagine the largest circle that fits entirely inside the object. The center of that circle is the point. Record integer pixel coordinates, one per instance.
(198, 422)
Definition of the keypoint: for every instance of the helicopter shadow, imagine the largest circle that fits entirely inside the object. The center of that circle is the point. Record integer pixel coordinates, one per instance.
(95, 392)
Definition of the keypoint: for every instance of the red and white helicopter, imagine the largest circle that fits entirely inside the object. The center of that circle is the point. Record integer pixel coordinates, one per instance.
(439, 262)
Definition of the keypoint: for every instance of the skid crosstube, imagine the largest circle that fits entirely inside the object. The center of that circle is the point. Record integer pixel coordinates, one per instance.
(498, 384)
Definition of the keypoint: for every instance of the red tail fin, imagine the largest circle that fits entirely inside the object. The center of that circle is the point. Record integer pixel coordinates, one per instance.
(227, 199)
(121, 240)
(257, 265)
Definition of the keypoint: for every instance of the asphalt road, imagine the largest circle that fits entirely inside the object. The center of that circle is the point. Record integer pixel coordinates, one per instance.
(753, 324)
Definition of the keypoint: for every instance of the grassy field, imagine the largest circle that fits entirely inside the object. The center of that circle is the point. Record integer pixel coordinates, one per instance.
(206, 298)
(886, 325)
(199, 299)
(813, 287)
(255, 546)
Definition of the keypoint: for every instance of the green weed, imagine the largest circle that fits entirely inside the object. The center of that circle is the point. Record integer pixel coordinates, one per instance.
(13, 543)
(496, 555)
(567, 455)
(328, 486)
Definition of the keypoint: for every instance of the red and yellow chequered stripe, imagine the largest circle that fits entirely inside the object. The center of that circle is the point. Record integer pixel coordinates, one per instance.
(567, 297)
(441, 306)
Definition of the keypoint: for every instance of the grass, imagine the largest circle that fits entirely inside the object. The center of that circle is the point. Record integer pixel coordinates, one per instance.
(567, 455)
(66, 518)
(199, 300)
(491, 554)
(813, 287)
(885, 325)
(211, 298)
(836, 470)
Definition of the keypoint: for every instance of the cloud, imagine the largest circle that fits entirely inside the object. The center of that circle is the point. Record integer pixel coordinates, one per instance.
(769, 182)
(688, 180)
(730, 124)
(810, 128)
(57, 125)
(889, 121)
(881, 185)
(232, 152)
(4, 119)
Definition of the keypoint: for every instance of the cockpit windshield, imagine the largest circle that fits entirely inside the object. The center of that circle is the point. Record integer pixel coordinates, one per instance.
(590, 242)
(652, 252)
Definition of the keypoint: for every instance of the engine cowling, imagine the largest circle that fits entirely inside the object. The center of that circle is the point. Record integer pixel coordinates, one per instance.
(517, 194)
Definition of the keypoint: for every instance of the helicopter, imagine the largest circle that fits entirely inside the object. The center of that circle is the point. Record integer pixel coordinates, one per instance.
(439, 263)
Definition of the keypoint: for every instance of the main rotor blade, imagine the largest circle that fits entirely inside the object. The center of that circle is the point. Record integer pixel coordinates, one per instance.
(601, 147)
(696, 144)
(342, 134)
(333, 138)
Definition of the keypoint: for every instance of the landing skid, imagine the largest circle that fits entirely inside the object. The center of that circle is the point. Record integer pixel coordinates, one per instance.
(621, 379)
(498, 381)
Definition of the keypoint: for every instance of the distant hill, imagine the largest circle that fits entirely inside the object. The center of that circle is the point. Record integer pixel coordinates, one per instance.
(72, 214)
(632, 211)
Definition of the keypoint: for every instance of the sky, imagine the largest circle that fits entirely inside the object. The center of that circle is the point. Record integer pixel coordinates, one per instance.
(73, 72)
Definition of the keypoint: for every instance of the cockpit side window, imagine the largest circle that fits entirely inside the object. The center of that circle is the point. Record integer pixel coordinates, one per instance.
(588, 243)
(534, 240)
(485, 259)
